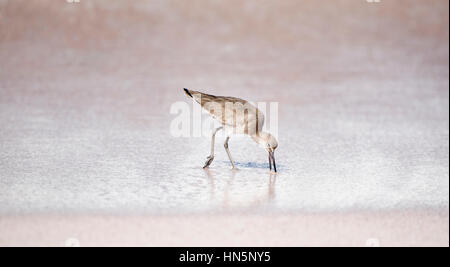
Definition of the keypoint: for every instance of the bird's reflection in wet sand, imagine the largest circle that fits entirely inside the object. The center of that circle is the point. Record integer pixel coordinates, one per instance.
(210, 179)
(228, 198)
(272, 180)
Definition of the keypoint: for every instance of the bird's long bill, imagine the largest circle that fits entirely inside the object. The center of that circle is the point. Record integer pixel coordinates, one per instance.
(272, 157)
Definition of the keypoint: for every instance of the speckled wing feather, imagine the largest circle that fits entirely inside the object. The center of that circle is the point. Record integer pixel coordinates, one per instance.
(230, 111)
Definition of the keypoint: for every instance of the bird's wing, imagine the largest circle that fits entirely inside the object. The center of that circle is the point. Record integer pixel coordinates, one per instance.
(231, 111)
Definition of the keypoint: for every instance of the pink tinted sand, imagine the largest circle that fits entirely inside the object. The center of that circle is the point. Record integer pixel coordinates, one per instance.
(343, 229)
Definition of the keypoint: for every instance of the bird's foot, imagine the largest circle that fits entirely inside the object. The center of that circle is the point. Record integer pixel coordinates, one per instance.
(208, 162)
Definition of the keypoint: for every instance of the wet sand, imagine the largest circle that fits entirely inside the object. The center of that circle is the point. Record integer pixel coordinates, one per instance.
(85, 96)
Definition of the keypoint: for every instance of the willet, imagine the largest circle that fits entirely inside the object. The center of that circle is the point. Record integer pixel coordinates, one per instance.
(237, 116)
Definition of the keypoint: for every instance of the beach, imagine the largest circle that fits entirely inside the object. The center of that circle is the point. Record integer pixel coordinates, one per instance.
(347, 229)
(89, 93)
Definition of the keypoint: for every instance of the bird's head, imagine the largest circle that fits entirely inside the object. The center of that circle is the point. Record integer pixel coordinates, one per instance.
(269, 143)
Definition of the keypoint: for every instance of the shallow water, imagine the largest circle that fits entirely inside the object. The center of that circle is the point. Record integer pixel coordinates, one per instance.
(85, 112)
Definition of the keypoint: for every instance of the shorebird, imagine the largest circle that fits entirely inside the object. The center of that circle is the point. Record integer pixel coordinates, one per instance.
(237, 116)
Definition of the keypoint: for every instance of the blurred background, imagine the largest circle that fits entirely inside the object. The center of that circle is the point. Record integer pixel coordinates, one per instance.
(86, 89)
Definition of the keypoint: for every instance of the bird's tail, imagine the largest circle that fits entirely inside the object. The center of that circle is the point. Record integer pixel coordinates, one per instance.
(187, 92)
(196, 95)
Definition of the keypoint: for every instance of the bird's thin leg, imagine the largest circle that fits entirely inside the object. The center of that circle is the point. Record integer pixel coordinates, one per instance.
(210, 158)
(228, 151)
